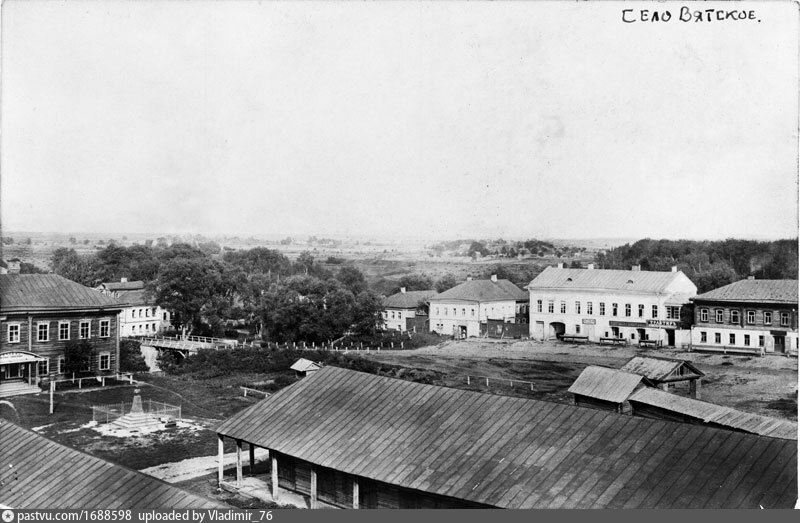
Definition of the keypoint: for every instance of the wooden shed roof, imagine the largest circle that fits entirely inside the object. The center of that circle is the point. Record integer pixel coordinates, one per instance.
(606, 384)
(304, 365)
(36, 472)
(514, 452)
(717, 414)
(658, 369)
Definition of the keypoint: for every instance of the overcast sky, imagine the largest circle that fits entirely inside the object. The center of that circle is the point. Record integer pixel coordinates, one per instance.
(398, 119)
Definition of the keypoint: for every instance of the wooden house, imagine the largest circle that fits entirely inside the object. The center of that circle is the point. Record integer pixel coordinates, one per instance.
(606, 389)
(40, 314)
(304, 367)
(349, 439)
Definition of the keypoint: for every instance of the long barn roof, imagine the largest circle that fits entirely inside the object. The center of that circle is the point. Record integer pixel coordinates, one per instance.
(36, 472)
(513, 452)
(755, 291)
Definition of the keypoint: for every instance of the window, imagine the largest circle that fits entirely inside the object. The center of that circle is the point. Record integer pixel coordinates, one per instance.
(589, 310)
(614, 308)
(673, 313)
(154, 327)
(392, 314)
(63, 330)
(577, 307)
(761, 341)
(104, 360)
(105, 328)
(703, 337)
(164, 316)
(603, 310)
(147, 313)
(463, 312)
(654, 312)
(784, 319)
(703, 314)
(437, 311)
(140, 313)
(13, 333)
(735, 317)
(550, 305)
(628, 310)
(751, 317)
(472, 311)
(44, 367)
(84, 330)
(767, 317)
(746, 340)
(153, 313)
(42, 331)
(538, 305)
(61, 364)
(717, 337)
(147, 325)
(718, 315)
(732, 339)
(563, 307)
(454, 311)
(445, 310)
(641, 310)
(577, 329)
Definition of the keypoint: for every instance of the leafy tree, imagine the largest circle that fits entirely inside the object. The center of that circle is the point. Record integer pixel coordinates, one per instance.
(8, 240)
(415, 282)
(352, 278)
(477, 248)
(130, 357)
(78, 357)
(82, 269)
(29, 268)
(448, 281)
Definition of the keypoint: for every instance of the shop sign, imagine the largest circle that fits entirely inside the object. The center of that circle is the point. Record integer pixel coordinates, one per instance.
(589, 321)
(18, 357)
(635, 324)
(663, 324)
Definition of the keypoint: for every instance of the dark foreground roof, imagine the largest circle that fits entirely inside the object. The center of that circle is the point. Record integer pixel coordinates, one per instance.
(606, 384)
(408, 299)
(513, 452)
(49, 292)
(483, 290)
(36, 472)
(755, 291)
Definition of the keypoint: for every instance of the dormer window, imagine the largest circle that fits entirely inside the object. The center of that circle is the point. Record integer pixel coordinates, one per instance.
(569, 279)
(630, 281)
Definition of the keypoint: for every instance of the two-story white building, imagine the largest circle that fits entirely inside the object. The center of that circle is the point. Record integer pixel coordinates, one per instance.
(140, 316)
(602, 303)
(460, 311)
(404, 305)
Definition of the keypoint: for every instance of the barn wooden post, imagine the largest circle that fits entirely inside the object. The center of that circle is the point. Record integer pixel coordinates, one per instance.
(274, 474)
(694, 388)
(220, 454)
(355, 492)
(238, 462)
(52, 389)
(313, 486)
(252, 458)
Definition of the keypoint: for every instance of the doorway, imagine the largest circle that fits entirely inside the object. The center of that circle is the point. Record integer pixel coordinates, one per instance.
(557, 329)
(780, 343)
(670, 338)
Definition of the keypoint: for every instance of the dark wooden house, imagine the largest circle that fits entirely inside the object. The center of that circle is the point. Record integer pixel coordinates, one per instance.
(39, 315)
(350, 439)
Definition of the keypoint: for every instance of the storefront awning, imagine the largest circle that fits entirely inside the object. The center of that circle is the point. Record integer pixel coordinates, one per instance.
(7, 358)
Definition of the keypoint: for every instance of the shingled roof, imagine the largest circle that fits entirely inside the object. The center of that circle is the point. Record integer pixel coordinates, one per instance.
(606, 384)
(483, 291)
(514, 452)
(605, 279)
(658, 369)
(46, 292)
(754, 291)
(36, 472)
(408, 299)
(717, 414)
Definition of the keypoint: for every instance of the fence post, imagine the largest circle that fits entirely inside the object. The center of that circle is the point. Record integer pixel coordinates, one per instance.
(487, 382)
(467, 379)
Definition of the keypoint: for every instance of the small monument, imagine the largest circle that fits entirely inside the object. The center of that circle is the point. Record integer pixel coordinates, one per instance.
(137, 419)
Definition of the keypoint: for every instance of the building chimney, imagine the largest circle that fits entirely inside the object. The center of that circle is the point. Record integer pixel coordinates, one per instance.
(494, 278)
(674, 268)
(402, 290)
(560, 265)
(636, 267)
(123, 280)
(590, 266)
(13, 266)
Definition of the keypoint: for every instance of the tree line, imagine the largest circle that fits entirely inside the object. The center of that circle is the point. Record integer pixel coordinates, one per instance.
(709, 264)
